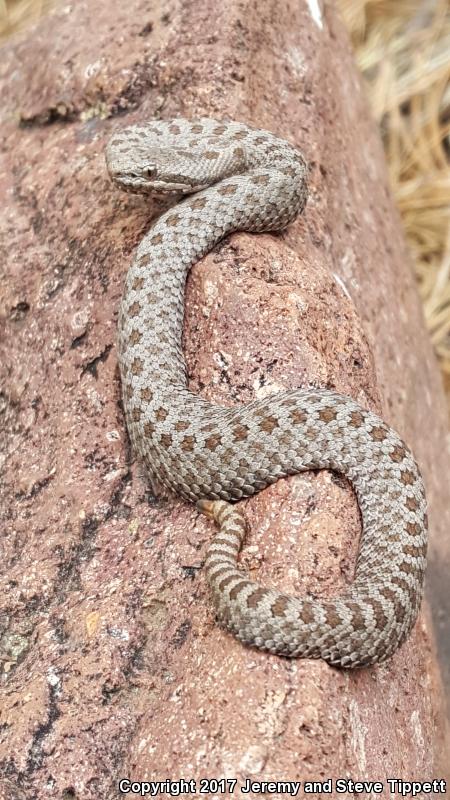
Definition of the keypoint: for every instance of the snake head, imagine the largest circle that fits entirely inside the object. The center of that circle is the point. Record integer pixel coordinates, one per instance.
(150, 169)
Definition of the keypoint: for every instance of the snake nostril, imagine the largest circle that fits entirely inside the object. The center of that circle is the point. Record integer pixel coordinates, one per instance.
(150, 171)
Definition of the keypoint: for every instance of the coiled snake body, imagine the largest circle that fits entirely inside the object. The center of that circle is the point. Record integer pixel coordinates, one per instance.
(245, 179)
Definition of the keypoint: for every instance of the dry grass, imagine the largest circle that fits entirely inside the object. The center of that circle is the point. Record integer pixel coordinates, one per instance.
(402, 48)
(16, 14)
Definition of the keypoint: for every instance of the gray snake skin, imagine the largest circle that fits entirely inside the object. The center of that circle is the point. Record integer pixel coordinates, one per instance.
(239, 178)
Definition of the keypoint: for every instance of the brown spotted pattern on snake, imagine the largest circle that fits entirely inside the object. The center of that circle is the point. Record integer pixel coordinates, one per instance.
(240, 179)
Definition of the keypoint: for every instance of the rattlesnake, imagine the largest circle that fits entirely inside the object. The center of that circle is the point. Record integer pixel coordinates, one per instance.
(246, 179)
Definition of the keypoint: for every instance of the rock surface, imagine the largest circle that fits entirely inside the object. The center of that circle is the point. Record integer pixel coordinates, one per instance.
(112, 663)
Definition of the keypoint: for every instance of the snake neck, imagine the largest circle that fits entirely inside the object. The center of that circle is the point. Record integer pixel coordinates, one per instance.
(152, 310)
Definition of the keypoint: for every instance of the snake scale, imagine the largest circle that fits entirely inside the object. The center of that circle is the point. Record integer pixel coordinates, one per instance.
(238, 178)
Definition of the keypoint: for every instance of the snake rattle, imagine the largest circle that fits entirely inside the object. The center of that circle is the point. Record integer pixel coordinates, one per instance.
(237, 178)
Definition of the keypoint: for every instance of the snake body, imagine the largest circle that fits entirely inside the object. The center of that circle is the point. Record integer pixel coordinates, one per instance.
(238, 178)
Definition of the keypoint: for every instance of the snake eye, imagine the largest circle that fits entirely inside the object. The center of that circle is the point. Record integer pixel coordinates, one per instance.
(150, 171)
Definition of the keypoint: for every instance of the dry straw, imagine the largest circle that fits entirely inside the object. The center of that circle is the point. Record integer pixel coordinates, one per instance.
(16, 14)
(403, 50)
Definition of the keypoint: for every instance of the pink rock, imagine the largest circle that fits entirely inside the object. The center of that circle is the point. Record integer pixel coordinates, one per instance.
(113, 665)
